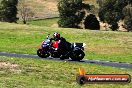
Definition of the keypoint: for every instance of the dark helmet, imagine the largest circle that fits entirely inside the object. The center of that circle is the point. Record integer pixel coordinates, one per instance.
(56, 35)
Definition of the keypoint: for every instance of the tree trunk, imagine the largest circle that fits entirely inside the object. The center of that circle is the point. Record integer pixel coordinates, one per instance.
(24, 22)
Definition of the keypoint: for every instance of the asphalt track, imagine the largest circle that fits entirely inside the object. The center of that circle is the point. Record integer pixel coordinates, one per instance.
(103, 63)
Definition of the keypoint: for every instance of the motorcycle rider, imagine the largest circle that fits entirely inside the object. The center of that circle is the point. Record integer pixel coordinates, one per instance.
(56, 36)
(63, 46)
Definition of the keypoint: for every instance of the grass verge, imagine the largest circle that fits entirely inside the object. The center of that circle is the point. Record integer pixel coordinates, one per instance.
(39, 73)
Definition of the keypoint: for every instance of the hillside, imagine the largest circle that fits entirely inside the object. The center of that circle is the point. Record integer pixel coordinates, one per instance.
(47, 8)
(101, 45)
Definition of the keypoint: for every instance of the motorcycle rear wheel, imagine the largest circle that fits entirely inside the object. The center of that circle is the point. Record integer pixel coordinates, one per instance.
(77, 55)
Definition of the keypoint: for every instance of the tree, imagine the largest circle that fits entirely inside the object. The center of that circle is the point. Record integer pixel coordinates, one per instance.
(71, 13)
(127, 11)
(25, 12)
(111, 12)
(100, 2)
(8, 10)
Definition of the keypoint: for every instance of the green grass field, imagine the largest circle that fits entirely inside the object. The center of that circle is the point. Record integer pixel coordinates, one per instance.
(38, 73)
(101, 45)
(47, 22)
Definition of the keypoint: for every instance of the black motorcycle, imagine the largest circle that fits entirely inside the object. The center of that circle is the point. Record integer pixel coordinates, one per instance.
(74, 51)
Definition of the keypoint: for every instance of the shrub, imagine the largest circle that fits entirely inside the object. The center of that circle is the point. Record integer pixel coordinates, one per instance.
(8, 10)
(71, 13)
(91, 22)
(111, 12)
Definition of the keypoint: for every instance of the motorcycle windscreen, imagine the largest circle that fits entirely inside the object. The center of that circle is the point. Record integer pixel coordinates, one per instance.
(56, 44)
(45, 44)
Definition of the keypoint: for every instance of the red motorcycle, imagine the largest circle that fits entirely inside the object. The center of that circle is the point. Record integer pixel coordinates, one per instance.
(44, 49)
(48, 48)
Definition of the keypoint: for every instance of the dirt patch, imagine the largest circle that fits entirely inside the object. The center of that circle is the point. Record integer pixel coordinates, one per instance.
(9, 66)
(104, 26)
(122, 26)
(55, 25)
(43, 8)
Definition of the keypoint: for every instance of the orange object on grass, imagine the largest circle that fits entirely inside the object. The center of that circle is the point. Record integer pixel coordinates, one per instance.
(82, 71)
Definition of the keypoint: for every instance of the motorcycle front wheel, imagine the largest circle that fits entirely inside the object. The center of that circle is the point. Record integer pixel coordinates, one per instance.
(42, 54)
